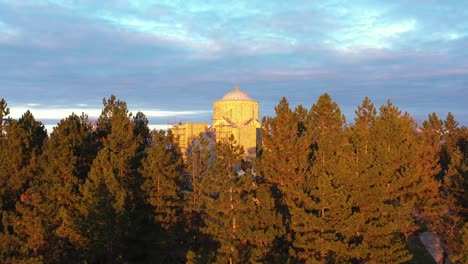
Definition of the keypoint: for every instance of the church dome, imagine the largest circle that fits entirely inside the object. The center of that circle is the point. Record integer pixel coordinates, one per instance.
(236, 95)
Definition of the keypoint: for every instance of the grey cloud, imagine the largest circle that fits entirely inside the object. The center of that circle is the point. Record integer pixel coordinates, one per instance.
(61, 58)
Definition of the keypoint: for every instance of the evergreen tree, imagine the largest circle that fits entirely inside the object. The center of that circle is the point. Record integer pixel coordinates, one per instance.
(238, 211)
(429, 208)
(47, 206)
(363, 187)
(264, 225)
(164, 175)
(389, 213)
(22, 233)
(456, 184)
(321, 211)
(284, 156)
(19, 155)
(395, 182)
(141, 130)
(327, 124)
(220, 203)
(113, 106)
(451, 133)
(64, 167)
(285, 162)
(199, 159)
(163, 171)
(200, 156)
(360, 131)
(461, 255)
(455, 154)
(454, 162)
(4, 111)
(458, 181)
(111, 191)
(320, 192)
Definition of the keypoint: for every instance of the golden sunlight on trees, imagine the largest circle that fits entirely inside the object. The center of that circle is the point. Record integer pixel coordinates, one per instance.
(320, 190)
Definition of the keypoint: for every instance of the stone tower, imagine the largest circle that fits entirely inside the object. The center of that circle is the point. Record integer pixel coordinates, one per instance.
(237, 114)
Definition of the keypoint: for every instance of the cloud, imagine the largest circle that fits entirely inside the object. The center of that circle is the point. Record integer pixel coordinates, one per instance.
(172, 54)
(7, 33)
(42, 113)
(171, 32)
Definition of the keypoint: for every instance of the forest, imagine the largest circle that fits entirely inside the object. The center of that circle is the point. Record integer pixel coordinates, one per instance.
(320, 190)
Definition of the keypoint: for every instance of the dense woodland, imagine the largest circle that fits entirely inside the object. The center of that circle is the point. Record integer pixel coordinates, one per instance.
(321, 189)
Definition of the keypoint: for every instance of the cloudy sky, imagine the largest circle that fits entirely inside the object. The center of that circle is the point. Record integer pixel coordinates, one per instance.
(172, 59)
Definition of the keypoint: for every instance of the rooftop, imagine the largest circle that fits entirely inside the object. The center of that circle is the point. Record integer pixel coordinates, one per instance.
(236, 95)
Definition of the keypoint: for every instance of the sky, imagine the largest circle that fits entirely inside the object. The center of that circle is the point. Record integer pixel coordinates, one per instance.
(173, 59)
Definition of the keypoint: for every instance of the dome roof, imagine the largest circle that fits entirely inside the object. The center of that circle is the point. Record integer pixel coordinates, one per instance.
(236, 95)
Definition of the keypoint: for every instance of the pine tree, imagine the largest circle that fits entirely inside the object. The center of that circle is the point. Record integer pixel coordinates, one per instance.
(327, 124)
(461, 255)
(111, 191)
(455, 154)
(451, 133)
(285, 162)
(220, 200)
(396, 169)
(22, 232)
(360, 131)
(264, 225)
(113, 106)
(429, 206)
(164, 174)
(4, 111)
(284, 156)
(20, 151)
(454, 176)
(199, 158)
(363, 187)
(64, 167)
(389, 216)
(458, 181)
(163, 171)
(456, 184)
(141, 130)
(238, 212)
(321, 212)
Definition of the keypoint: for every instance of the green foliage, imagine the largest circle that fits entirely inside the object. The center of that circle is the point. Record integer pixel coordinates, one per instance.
(163, 171)
(22, 233)
(66, 162)
(284, 158)
(111, 192)
(221, 201)
(388, 218)
(4, 111)
(461, 255)
(284, 163)
(456, 184)
(321, 191)
(454, 178)
(20, 152)
(429, 206)
(321, 212)
(238, 212)
(199, 159)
